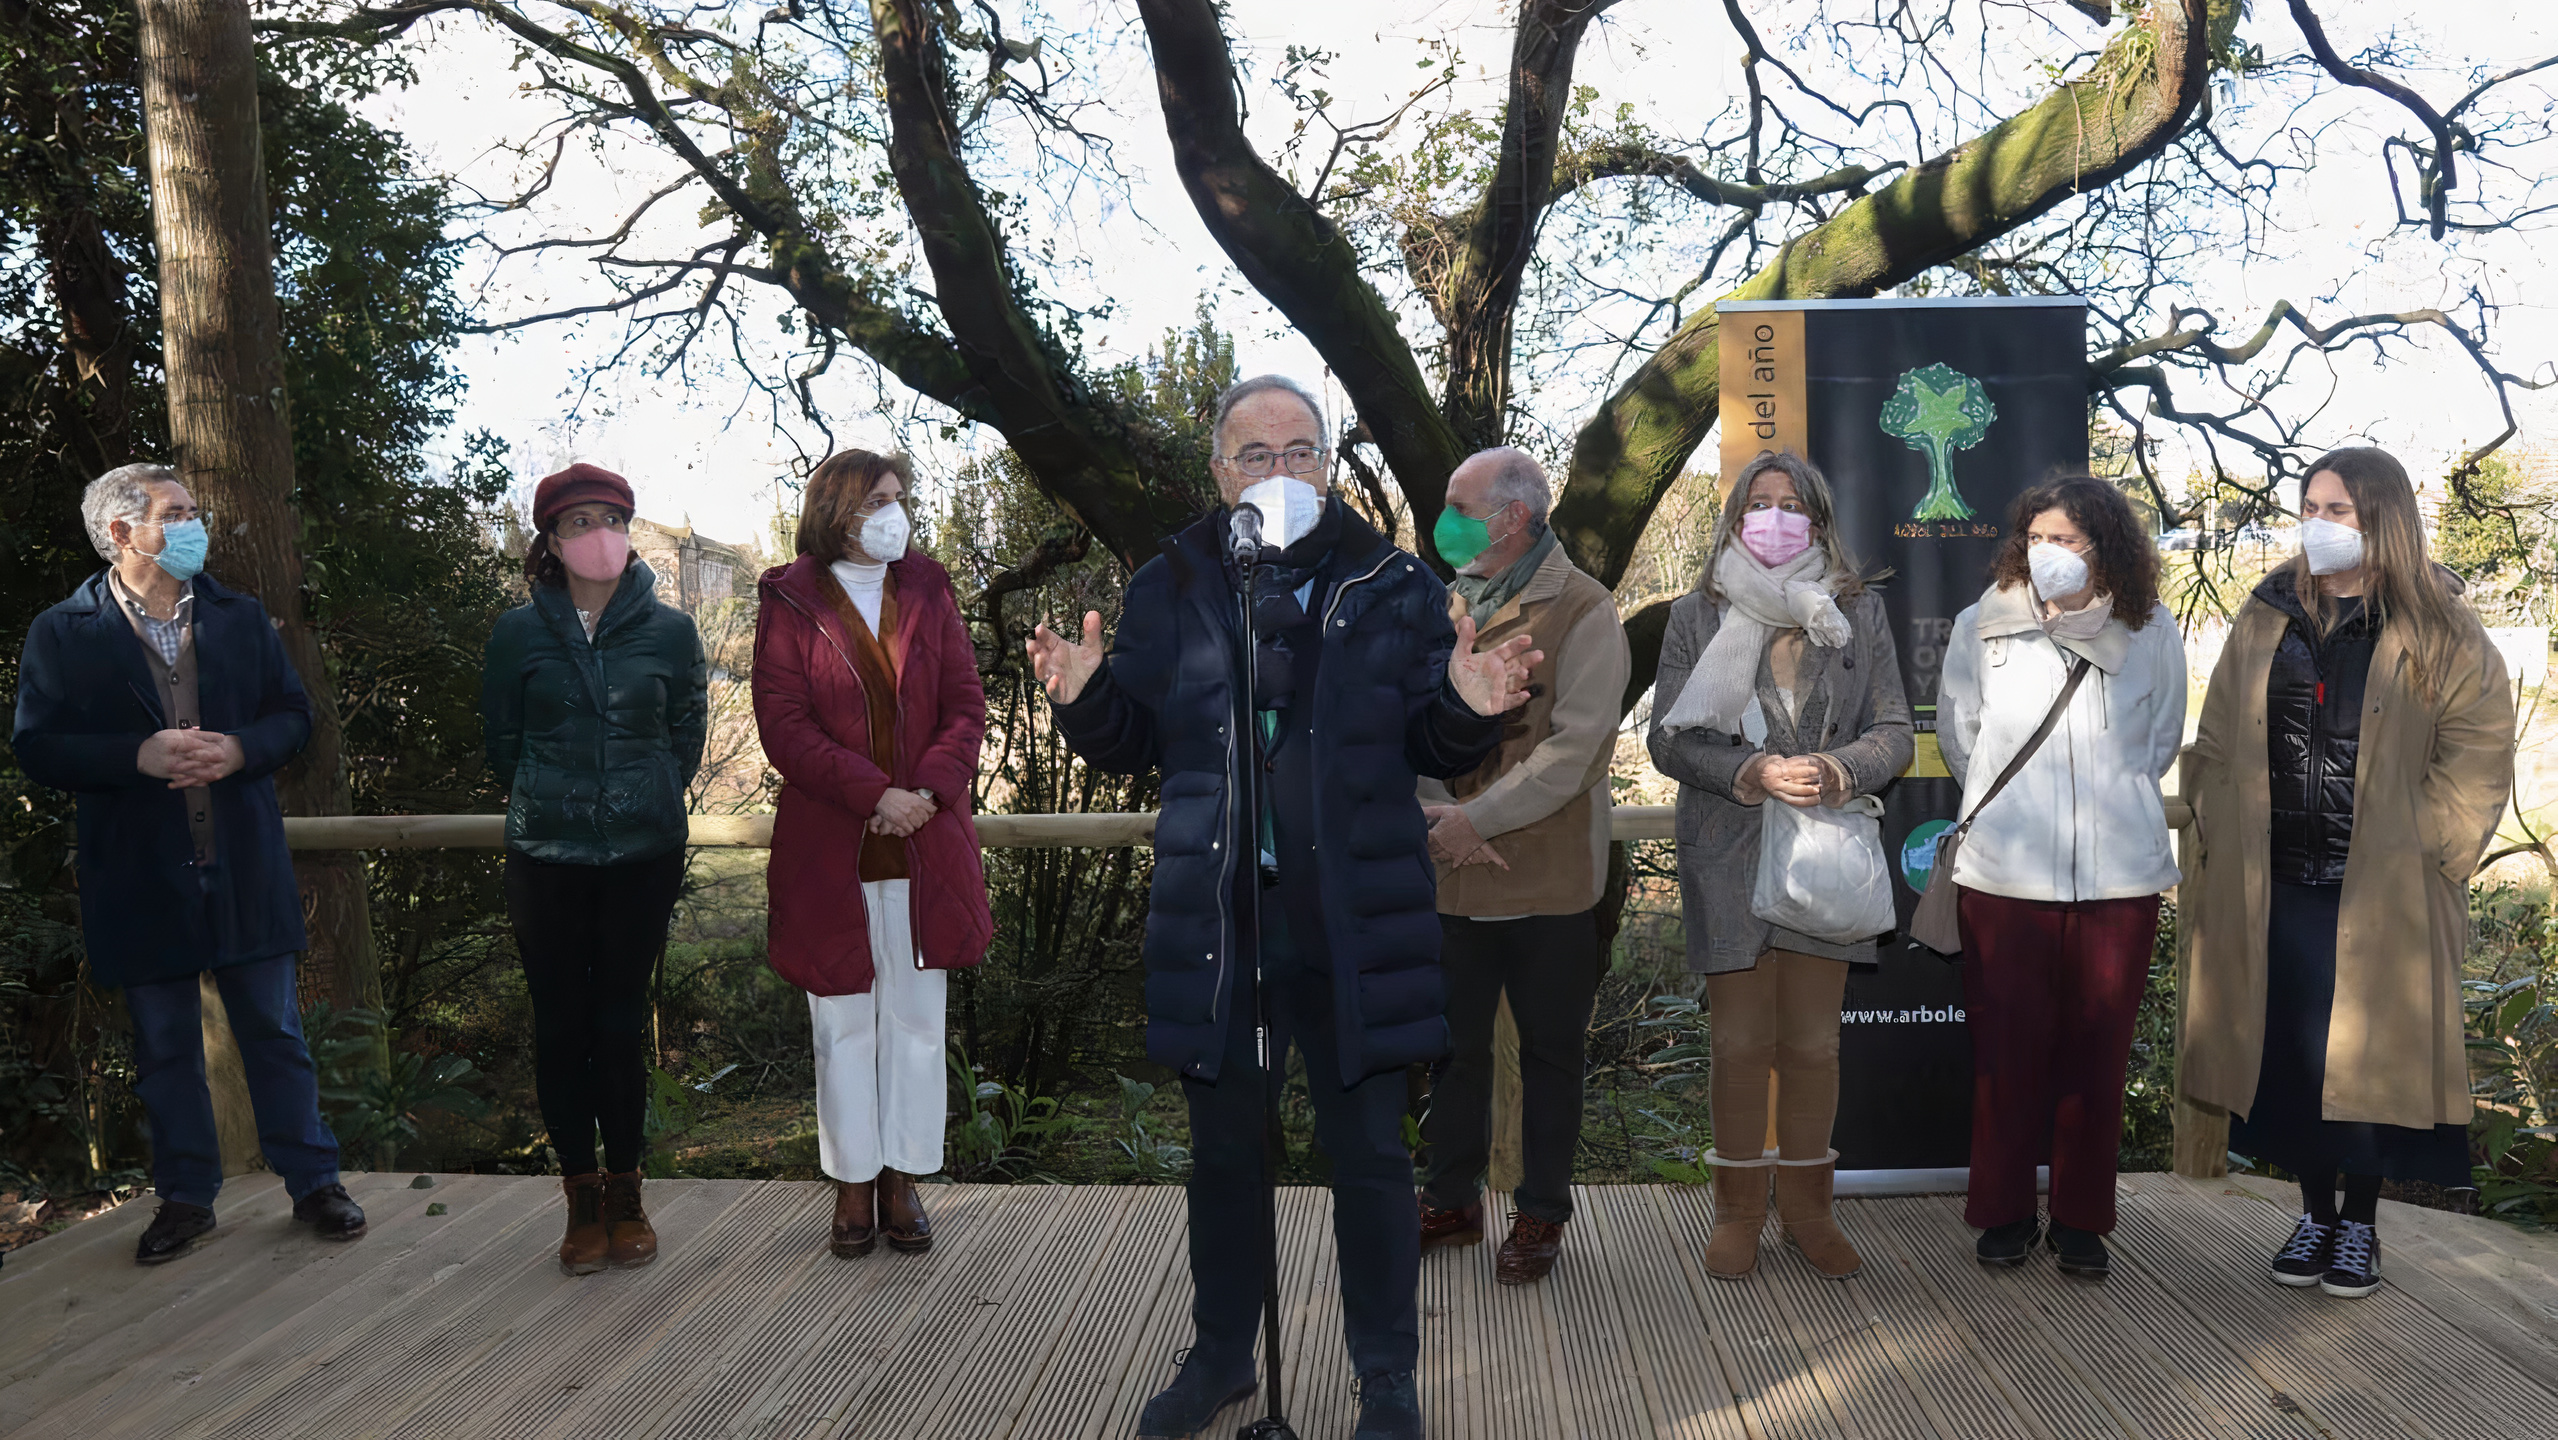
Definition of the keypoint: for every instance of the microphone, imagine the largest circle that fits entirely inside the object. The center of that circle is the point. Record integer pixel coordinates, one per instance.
(1243, 535)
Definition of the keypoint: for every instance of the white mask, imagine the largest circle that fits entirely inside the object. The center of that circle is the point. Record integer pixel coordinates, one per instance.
(2058, 572)
(1289, 508)
(884, 534)
(2332, 548)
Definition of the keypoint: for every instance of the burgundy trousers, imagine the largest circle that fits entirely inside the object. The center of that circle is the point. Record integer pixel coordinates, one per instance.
(2054, 992)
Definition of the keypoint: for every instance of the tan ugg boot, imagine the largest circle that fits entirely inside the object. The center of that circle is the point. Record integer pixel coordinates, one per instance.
(1803, 1209)
(1740, 1212)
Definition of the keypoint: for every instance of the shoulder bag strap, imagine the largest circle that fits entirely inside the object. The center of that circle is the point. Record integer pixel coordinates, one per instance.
(2078, 672)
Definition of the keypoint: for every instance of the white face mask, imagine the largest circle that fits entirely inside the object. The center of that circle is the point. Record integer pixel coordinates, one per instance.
(2058, 572)
(1289, 508)
(884, 534)
(2331, 548)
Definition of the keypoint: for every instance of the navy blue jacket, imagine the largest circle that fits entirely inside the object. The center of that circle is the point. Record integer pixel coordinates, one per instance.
(1170, 697)
(86, 702)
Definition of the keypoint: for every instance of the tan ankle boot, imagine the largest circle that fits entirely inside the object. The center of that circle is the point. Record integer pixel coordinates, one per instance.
(584, 1249)
(1803, 1208)
(1740, 1212)
(901, 1214)
(634, 1242)
(856, 1226)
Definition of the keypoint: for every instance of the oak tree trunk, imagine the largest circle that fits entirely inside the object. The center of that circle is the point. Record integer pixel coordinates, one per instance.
(228, 424)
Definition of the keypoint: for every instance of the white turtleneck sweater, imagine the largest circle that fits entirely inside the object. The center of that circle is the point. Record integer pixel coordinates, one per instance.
(864, 584)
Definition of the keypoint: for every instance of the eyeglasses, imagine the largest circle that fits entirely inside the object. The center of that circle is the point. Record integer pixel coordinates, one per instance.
(1300, 460)
(178, 517)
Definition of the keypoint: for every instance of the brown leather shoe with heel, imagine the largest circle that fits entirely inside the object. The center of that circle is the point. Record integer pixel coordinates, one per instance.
(855, 1232)
(589, 1239)
(1446, 1229)
(1529, 1252)
(634, 1242)
(902, 1217)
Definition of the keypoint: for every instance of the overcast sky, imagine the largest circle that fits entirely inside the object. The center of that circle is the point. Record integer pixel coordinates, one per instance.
(711, 451)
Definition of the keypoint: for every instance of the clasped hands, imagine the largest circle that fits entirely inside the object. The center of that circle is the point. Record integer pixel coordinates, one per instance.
(189, 759)
(899, 812)
(1455, 841)
(1798, 780)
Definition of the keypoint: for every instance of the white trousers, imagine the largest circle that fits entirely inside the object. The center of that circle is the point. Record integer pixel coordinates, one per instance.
(882, 1085)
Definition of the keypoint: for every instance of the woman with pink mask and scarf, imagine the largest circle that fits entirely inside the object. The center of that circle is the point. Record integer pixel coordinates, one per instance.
(1778, 685)
(593, 699)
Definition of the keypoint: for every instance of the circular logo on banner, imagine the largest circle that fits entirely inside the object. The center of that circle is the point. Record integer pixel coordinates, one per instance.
(1918, 853)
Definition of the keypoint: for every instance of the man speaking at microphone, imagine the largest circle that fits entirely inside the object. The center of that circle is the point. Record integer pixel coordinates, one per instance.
(1363, 685)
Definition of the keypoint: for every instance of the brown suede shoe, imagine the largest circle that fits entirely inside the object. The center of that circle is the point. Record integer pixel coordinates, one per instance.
(1803, 1208)
(1529, 1252)
(1740, 1212)
(856, 1229)
(902, 1217)
(589, 1239)
(634, 1243)
(1451, 1228)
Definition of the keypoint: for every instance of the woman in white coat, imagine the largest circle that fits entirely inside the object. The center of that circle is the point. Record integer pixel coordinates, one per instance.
(2060, 874)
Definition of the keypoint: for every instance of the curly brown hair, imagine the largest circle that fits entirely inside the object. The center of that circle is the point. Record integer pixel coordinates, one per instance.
(830, 505)
(2124, 557)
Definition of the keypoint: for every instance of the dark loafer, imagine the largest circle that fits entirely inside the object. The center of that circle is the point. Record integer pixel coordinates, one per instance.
(330, 1211)
(2082, 1252)
(175, 1230)
(1389, 1406)
(1204, 1387)
(2009, 1244)
(1447, 1228)
(1529, 1252)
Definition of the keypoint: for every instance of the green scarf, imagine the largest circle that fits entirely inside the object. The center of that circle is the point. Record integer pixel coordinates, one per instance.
(1486, 594)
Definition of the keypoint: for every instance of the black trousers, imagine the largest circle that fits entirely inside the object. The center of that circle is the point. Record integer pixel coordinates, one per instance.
(589, 936)
(1374, 1226)
(1549, 964)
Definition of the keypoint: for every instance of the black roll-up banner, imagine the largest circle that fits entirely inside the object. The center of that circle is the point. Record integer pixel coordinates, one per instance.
(1929, 417)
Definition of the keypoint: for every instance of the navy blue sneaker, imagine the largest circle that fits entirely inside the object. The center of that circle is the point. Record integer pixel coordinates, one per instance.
(2310, 1251)
(1389, 1406)
(1205, 1386)
(2355, 1272)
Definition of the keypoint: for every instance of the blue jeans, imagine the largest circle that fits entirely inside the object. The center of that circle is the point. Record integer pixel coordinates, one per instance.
(1375, 1224)
(284, 1088)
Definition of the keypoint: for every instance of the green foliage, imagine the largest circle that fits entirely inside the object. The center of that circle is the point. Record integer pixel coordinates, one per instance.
(1150, 1161)
(2149, 1082)
(1675, 1138)
(1001, 1128)
(2498, 531)
(377, 1110)
(1938, 410)
(2512, 1031)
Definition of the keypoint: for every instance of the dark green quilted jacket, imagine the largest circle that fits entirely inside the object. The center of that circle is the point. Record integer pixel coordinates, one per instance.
(595, 741)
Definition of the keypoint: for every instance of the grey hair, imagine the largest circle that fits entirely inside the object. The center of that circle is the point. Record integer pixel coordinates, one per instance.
(1243, 390)
(1516, 476)
(123, 493)
(1813, 489)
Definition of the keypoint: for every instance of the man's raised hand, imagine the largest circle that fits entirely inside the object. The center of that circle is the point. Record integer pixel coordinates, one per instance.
(1063, 666)
(1495, 681)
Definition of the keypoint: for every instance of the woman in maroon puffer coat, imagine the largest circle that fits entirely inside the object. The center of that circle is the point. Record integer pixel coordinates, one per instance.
(867, 695)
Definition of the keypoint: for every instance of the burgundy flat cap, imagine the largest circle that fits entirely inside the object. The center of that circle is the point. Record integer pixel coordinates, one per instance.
(577, 485)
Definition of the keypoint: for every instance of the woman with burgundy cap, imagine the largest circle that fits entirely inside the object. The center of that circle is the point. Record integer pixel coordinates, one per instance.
(867, 696)
(594, 699)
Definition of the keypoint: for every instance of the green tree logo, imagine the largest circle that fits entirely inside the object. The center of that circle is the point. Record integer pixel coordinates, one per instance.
(1940, 410)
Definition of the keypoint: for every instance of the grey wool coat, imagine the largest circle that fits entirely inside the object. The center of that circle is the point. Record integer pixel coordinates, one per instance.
(1862, 720)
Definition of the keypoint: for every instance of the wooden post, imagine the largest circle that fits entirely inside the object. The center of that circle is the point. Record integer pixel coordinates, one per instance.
(1509, 1147)
(223, 352)
(234, 1118)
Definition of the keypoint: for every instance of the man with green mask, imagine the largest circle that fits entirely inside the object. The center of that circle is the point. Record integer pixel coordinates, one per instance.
(1522, 849)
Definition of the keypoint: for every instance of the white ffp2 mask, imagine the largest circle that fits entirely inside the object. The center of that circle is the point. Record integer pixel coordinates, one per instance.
(885, 533)
(2332, 548)
(1289, 509)
(2058, 573)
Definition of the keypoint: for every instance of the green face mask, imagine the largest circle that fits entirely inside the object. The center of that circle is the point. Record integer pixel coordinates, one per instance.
(1459, 537)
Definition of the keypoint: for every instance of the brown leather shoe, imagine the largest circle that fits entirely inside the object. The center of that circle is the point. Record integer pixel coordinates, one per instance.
(634, 1243)
(589, 1239)
(1803, 1209)
(856, 1229)
(1451, 1228)
(1740, 1212)
(1529, 1252)
(902, 1217)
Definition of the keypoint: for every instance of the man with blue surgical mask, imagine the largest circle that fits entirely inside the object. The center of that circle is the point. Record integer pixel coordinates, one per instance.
(1282, 636)
(163, 701)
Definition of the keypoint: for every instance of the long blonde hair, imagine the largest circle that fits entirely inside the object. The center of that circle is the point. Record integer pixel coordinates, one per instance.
(2400, 579)
(1810, 487)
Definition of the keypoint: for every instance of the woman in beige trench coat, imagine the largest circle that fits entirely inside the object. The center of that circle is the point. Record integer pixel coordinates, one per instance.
(2354, 758)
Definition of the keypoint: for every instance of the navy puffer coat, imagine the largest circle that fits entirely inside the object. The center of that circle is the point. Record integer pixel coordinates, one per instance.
(1169, 697)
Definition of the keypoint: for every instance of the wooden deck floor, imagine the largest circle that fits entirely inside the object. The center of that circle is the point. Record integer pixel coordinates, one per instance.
(1051, 1312)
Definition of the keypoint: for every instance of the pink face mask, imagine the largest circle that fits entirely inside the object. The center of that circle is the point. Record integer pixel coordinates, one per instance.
(1776, 536)
(597, 555)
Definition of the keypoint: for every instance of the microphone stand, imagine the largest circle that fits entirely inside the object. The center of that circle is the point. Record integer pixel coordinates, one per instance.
(1273, 1425)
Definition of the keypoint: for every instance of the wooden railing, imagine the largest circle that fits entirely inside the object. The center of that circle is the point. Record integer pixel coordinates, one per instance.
(755, 832)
